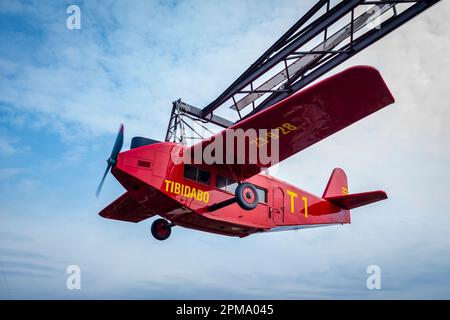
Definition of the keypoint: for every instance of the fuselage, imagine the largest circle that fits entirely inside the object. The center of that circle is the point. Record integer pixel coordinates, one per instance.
(184, 193)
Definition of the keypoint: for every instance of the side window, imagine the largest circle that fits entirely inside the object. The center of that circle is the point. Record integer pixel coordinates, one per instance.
(196, 174)
(232, 185)
(262, 194)
(203, 176)
(221, 182)
(225, 183)
(190, 172)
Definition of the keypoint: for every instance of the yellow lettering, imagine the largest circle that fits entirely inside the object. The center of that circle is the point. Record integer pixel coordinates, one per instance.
(167, 184)
(305, 202)
(187, 191)
(293, 196)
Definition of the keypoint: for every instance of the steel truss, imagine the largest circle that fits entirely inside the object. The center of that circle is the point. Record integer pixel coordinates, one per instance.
(326, 36)
(183, 115)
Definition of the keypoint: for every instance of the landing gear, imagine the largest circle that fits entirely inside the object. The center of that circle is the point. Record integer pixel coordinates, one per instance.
(246, 196)
(161, 229)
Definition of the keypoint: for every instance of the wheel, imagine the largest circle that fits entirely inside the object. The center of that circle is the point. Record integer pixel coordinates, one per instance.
(246, 196)
(161, 229)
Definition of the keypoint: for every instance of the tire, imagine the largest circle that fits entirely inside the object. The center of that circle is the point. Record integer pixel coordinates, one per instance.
(246, 196)
(160, 229)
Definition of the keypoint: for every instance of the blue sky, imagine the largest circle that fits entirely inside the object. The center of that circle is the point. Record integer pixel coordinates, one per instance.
(64, 92)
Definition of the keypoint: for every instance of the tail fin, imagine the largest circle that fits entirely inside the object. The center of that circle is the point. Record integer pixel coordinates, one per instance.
(337, 185)
(337, 193)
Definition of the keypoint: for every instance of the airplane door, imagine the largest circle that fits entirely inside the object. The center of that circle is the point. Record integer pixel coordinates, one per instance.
(277, 205)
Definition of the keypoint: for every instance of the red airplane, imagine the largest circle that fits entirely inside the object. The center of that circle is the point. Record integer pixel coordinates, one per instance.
(239, 199)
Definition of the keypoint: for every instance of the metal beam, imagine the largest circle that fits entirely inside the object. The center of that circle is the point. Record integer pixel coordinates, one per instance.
(196, 112)
(358, 45)
(175, 119)
(307, 64)
(315, 28)
(275, 47)
(305, 60)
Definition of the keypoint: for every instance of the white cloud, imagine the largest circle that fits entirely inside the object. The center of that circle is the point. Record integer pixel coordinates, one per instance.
(6, 147)
(130, 64)
(7, 173)
(74, 155)
(12, 146)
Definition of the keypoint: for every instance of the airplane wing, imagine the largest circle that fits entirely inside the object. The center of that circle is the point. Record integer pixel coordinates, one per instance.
(303, 119)
(126, 208)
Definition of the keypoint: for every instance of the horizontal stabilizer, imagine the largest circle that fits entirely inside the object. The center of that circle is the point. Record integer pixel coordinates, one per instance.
(355, 200)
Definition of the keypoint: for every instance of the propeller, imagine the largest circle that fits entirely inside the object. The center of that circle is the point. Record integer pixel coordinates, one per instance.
(112, 158)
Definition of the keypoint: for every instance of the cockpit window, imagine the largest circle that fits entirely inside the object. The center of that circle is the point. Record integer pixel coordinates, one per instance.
(196, 174)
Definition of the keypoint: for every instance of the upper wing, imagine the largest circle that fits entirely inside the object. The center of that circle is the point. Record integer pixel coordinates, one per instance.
(305, 118)
(126, 208)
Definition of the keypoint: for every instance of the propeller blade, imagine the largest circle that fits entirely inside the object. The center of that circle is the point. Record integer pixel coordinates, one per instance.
(113, 158)
(117, 146)
(99, 188)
